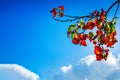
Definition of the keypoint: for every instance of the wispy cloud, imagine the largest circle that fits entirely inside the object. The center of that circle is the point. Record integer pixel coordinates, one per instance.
(66, 68)
(18, 72)
(90, 69)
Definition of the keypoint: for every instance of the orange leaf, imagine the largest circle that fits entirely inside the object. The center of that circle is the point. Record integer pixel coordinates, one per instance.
(95, 20)
(111, 36)
(98, 50)
(105, 40)
(102, 17)
(109, 44)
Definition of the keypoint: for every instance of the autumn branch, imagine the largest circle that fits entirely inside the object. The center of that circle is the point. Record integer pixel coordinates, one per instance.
(90, 16)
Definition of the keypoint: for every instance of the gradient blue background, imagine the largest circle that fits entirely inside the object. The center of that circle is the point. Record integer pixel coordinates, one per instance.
(31, 38)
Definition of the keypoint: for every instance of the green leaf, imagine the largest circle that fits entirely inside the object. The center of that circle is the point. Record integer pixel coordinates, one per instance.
(108, 27)
(82, 23)
(71, 27)
(73, 34)
(91, 34)
(112, 27)
(115, 21)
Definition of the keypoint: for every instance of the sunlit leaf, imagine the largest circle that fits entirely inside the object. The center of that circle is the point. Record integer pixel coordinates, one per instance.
(83, 42)
(75, 41)
(99, 57)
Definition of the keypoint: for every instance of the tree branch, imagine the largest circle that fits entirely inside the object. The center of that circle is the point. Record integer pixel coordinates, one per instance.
(112, 6)
(116, 10)
(89, 16)
(75, 18)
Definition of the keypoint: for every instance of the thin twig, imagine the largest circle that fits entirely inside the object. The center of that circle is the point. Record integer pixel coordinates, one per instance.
(77, 18)
(116, 11)
(70, 16)
(111, 7)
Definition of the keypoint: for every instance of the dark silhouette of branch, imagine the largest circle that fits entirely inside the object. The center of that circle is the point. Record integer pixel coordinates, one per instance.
(74, 18)
(111, 7)
(116, 11)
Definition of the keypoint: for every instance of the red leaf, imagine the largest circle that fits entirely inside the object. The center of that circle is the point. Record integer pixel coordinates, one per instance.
(94, 13)
(98, 50)
(61, 14)
(61, 8)
(95, 20)
(84, 27)
(90, 25)
(99, 57)
(75, 41)
(99, 24)
(98, 32)
(94, 42)
(103, 12)
(90, 39)
(109, 44)
(107, 50)
(115, 33)
(102, 17)
(105, 40)
(82, 37)
(83, 42)
(86, 35)
(111, 36)
(54, 12)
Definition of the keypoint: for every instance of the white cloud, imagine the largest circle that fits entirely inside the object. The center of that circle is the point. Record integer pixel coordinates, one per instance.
(86, 79)
(90, 69)
(66, 68)
(88, 60)
(16, 72)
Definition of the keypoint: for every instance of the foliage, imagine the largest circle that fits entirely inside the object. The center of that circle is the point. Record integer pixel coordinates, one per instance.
(103, 38)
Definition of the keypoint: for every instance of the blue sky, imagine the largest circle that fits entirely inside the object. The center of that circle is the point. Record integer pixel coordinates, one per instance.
(31, 38)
